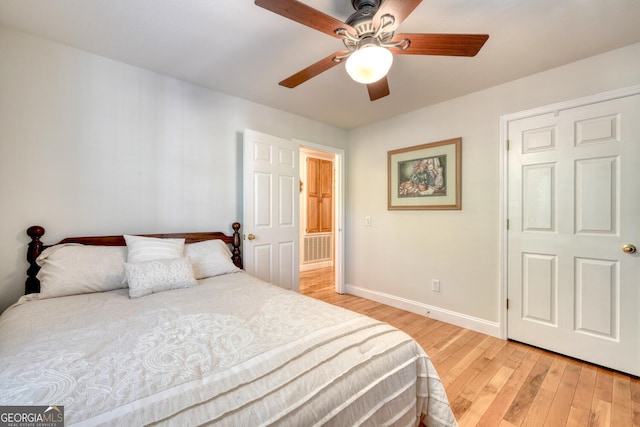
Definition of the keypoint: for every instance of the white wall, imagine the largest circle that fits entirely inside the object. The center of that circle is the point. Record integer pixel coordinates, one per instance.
(396, 258)
(93, 146)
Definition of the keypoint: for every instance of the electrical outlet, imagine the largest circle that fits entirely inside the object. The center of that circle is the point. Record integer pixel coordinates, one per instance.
(367, 220)
(435, 285)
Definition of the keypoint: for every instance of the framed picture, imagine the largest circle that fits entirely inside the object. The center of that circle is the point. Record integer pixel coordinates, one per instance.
(426, 176)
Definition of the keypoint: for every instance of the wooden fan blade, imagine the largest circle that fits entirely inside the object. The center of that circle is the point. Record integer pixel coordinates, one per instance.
(305, 15)
(311, 71)
(441, 44)
(400, 9)
(378, 89)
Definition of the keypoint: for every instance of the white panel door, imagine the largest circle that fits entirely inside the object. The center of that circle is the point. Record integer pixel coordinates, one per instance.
(574, 203)
(271, 209)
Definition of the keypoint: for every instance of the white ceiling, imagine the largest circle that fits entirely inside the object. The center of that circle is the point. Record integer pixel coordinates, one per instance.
(240, 49)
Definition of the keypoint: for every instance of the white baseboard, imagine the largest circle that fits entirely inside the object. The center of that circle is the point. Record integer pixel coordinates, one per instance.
(448, 316)
(316, 265)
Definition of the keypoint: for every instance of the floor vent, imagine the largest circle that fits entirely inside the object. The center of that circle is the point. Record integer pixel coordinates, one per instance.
(318, 247)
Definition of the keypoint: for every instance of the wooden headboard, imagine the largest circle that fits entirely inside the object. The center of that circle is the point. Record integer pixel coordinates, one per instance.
(36, 247)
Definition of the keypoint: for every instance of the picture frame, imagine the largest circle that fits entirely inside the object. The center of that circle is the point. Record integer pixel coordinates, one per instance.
(427, 176)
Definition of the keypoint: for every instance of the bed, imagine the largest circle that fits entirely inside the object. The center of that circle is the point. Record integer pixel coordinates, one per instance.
(118, 330)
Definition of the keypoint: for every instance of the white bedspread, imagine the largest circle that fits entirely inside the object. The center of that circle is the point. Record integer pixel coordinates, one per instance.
(232, 351)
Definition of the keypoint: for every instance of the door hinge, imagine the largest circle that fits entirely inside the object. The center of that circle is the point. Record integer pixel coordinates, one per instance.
(507, 303)
(507, 224)
(507, 145)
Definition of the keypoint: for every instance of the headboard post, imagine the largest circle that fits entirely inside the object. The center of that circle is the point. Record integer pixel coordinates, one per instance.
(237, 259)
(32, 285)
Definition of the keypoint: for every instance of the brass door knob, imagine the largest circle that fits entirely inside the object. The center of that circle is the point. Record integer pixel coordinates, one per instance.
(251, 236)
(629, 249)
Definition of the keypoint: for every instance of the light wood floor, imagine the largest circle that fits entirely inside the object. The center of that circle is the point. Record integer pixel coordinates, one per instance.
(491, 382)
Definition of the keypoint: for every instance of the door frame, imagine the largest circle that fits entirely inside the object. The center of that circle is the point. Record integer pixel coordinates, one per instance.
(338, 207)
(504, 178)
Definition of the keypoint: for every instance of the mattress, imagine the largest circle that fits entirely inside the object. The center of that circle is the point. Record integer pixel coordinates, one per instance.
(231, 351)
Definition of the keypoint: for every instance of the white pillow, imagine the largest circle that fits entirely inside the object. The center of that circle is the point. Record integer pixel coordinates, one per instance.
(210, 258)
(148, 277)
(151, 248)
(71, 268)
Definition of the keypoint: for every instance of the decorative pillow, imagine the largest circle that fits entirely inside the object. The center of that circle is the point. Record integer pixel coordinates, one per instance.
(71, 268)
(151, 248)
(158, 275)
(210, 258)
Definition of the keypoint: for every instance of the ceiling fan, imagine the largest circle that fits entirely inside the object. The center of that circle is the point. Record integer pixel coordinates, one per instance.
(370, 39)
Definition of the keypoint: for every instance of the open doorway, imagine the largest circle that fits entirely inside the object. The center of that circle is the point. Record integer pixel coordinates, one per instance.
(316, 210)
(321, 214)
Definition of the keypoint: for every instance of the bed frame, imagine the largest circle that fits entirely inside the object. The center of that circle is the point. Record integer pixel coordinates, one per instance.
(36, 247)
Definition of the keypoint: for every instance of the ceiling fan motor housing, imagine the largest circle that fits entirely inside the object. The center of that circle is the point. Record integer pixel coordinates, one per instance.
(357, 4)
(365, 10)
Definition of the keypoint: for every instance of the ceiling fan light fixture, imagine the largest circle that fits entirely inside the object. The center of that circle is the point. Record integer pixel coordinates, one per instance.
(369, 63)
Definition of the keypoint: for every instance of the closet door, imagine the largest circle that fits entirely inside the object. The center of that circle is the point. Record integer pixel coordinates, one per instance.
(313, 196)
(325, 223)
(319, 195)
(573, 267)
